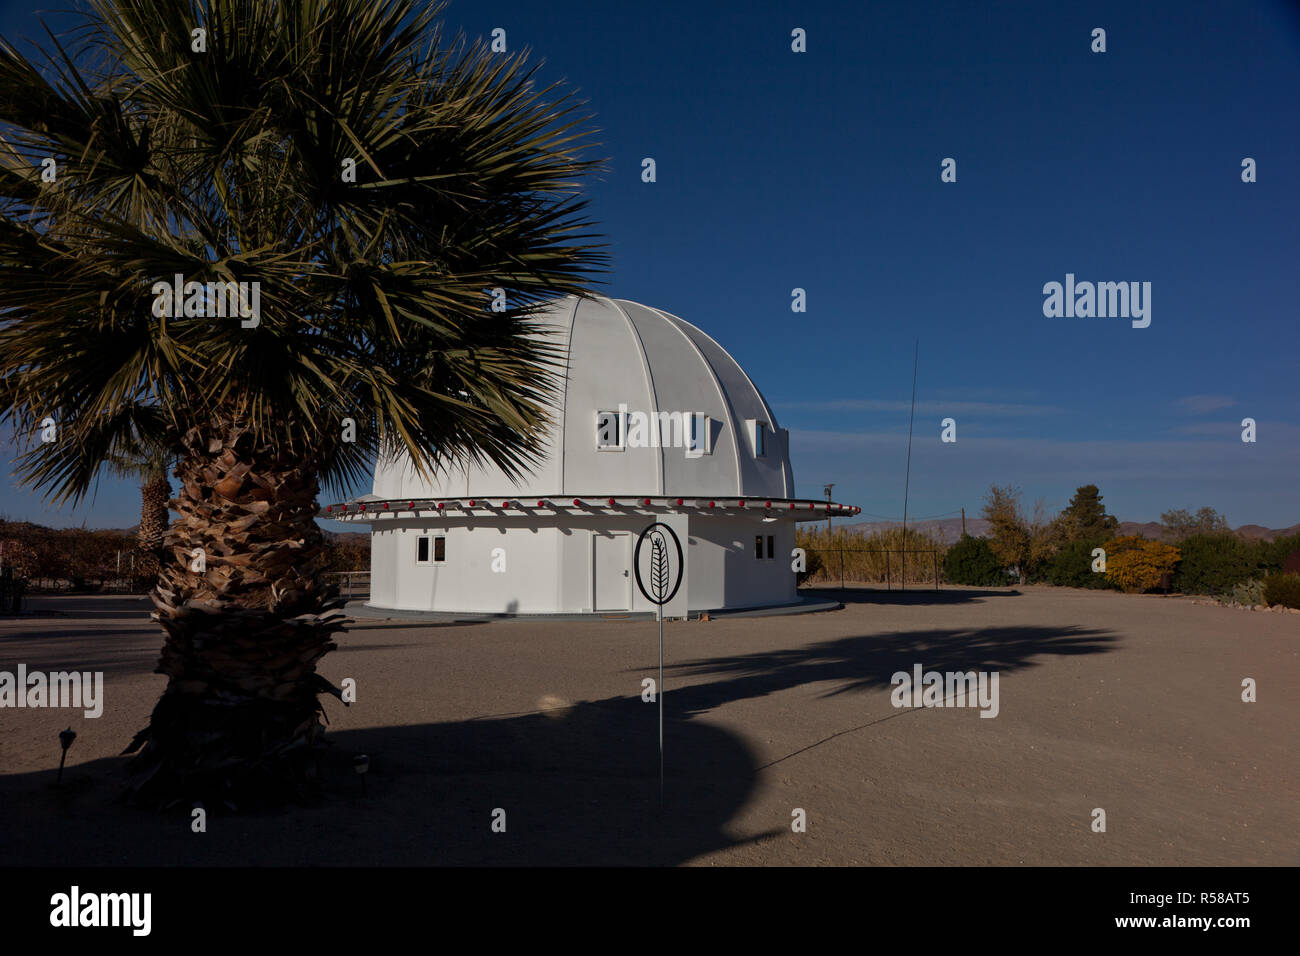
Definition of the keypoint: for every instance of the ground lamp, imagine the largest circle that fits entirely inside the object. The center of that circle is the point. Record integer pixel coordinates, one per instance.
(361, 764)
(66, 737)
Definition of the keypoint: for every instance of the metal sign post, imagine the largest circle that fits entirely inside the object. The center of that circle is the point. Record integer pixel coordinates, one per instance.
(665, 578)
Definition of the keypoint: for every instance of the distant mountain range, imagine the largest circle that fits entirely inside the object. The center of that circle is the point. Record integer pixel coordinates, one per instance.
(948, 530)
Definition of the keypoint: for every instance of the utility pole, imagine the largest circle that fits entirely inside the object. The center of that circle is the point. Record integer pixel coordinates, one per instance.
(828, 506)
(907, 481)
(963, 522)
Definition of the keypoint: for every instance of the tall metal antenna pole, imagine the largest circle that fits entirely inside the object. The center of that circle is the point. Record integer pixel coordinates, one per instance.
(907, 480)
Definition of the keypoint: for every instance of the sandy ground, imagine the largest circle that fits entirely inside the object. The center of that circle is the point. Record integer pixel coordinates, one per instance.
(1130, 704)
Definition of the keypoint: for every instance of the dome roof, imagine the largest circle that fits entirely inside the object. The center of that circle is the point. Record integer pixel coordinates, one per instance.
(639, 365)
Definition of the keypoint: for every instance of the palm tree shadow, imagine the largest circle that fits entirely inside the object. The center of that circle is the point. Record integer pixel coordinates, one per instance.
(578, 786)
(916, 594)
(573, 785)
(868, 661)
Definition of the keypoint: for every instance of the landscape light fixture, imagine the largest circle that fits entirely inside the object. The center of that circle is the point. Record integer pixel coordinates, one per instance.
(66, 737)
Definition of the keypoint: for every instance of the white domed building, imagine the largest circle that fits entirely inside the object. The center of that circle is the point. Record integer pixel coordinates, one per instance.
(656, 423)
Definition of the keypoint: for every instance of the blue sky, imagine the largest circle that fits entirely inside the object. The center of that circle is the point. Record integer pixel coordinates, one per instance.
(821, 170)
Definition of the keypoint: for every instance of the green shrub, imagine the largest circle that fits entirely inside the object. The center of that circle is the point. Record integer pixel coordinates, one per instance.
(1283, 589)
(971, 561)
(1213, 563)
(1273, 554)
(1071, 567)
(1247, 593)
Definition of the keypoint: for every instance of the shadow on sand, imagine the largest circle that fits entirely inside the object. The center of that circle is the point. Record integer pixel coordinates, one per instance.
(579, 784)
(918, 594)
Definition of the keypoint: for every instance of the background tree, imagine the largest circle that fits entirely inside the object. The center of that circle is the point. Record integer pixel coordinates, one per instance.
(1042, 541)
(1181, 523)
(19, 556)
(1010, 535)
(231, 163)
(971, 561)
(1084, 519)
(150, 465)
(1136, 564)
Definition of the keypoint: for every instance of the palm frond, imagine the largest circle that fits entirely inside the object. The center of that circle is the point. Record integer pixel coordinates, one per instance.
(226, 166)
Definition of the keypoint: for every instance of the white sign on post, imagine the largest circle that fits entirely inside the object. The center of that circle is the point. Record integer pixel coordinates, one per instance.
(659, 565)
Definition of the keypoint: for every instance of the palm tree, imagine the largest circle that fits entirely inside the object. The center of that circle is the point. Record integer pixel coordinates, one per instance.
(225, 156)
(150, 465)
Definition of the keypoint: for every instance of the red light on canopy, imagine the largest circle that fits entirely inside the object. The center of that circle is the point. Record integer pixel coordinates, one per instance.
(713, 504)
(611, 502)
(768, 505)
(577, 502)
(329, 509)
(645, 502)
(679, 502)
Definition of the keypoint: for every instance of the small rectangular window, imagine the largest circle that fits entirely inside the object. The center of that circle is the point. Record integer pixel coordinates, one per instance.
(609, 430)
(698, 435)
(422, 550)
(440, 548)
(771, 546)
(760, 439)
(758, 546)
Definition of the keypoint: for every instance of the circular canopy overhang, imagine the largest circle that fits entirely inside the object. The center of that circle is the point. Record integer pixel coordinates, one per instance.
(795, 509)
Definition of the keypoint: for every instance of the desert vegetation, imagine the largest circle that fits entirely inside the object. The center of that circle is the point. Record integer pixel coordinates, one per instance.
(85, 559)
(1193, 553)
(891, 556)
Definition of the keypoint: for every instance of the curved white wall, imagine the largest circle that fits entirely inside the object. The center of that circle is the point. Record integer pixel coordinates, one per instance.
(554, 568)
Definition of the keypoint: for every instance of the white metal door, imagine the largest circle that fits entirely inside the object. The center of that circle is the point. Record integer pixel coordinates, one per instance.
(611, 564)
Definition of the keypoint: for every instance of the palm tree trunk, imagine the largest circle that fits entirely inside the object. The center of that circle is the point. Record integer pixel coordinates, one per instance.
(154, 494)
(240, 715)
